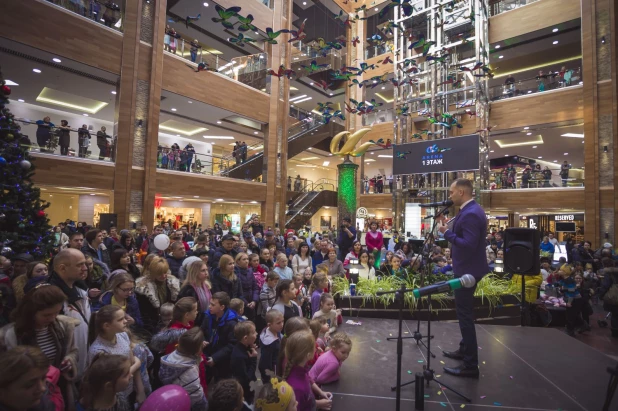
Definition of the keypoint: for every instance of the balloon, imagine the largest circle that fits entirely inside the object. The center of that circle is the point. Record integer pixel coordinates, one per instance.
(25, 164)
(162, 242)
(167, 398)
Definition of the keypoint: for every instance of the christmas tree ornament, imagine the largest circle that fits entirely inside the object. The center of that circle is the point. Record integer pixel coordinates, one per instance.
(25, 164)
(41, 213)
(2, 161)
(10, 136)
(6, 90)
(6, 250)
(21, 225)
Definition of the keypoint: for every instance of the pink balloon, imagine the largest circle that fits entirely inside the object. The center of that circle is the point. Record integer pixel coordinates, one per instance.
(167, 398)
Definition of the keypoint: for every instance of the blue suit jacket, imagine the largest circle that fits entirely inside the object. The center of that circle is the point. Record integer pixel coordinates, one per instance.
(468, 241)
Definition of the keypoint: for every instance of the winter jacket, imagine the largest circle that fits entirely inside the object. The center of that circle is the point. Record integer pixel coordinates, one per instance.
(182, 370)
(83, 137)
(132, 306)
(317, 258)
(175, 264)
(43, 130)
(219, 251)
(250, 290)
(243, 368)
(271, 344)
(102, 138)
(268, 297)
(326, 369)
(547, 247)
(104, 258)
(233, 288)
(260, 274)
(148, 299)
(220, 335)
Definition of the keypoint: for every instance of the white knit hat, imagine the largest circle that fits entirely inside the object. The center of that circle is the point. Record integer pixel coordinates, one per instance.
(607, 245)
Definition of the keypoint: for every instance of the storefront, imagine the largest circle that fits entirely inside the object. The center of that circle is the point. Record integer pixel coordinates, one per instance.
(560, 224)
(178, 214)
(497, 222)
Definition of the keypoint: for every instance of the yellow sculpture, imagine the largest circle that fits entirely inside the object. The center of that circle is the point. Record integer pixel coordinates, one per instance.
(349, 147)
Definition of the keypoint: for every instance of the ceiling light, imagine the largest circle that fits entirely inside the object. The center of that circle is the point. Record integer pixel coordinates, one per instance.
(529, 91)
(375, 81)
(205, 4)
(21, 100)
(114, 92)
(555, 42)
(196, 196)
(56, 60)
(218, 122)
(295, 58)
(497, 47)
(219, 137)
(92, 109)
(500, 57)
(326, 163)
(255, 132)
(311, 84)
(330, 154)
(554, 30)
(506, 155)
(534, 146)
(303, 100)
(304, 3)
(36, 71)
(10, 83)
(376, 9)
(173, 109)
(331, 94)
(219, 199)
(369, 160)
(383, 88)
(555, 161)
(309, 158)
(310, 148)
(491, 151)
(539, 157)
(93, 194)
(528, 134)
(566, 154)
(385, 156)
(85, 115)
(575, 135)
(372, 153)
(526, 128)
(298, 97)
(583, 142)
(182, 131)
(190, 102)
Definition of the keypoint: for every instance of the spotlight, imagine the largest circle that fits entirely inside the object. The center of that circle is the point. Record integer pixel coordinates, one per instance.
(603, 40)
(140, 123)
(605, 149)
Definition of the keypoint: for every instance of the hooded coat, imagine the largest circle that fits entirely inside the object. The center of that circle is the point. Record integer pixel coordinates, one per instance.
(220, 336)
(182, 370)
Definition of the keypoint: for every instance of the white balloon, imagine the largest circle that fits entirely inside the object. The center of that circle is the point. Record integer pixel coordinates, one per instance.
(162, 242)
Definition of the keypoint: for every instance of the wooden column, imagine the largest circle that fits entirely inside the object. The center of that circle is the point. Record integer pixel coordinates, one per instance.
(600, 48)
(276, 133)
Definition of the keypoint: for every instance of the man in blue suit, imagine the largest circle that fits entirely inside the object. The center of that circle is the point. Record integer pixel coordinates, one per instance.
(467, 237)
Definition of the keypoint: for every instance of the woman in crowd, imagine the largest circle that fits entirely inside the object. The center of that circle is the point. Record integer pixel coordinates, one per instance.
(64, 137)
(334, 266)
(374, 240)
(491, 251)
(60, 239)
(197, 285)
(97, 273)
(354, 252)
(121, 261)
(120, 293)
(250, 290)
(128, 243)
(38, 324)
(301, 261)
(34, 269)
(154, 289)
(225, 279)
(405, 252)
(367, 272)
(386, 268)
(546, 176)
(217, 229)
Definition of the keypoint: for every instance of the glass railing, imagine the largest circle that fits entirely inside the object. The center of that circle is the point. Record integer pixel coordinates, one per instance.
(310, 51)
(303, 185)
(507, 5)
(250, 70)
(378, 116)
(544, 177)
(542, 82)
(192, 51)
(378, 50)
(50, 138)
(377, 185)
(108, 13)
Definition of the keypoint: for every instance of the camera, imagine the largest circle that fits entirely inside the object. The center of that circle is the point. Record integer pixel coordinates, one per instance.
(342, 227)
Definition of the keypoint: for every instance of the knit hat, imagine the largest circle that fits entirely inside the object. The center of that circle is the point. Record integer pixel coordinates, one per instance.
(283, 398)
(607, 245)
(190, 260)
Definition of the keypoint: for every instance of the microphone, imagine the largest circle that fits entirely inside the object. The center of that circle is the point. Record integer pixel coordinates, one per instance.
(446, 203)
(466, 281)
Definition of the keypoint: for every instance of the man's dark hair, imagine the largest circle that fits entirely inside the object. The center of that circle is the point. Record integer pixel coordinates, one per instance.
(465, 184)
(201, 238)
(200, 252)
(92, 234)
(348, 219)
(74, 234)
(222, 297)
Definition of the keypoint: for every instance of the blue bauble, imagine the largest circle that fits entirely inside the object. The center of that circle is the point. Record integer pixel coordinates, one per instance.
(2, 161)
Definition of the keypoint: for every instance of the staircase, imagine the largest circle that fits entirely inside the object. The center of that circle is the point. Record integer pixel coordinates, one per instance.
(306, 204)
(302, 135)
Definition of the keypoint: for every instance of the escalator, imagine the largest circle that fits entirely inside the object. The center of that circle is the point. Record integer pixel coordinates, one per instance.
(306, 204)
(302, 135)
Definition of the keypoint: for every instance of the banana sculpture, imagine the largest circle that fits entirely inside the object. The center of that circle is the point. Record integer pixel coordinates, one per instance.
(349, 147)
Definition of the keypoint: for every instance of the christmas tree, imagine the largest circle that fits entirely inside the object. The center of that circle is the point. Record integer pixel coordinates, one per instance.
(24, 225)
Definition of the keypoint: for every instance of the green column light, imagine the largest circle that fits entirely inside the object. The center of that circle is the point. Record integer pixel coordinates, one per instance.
(346, 195)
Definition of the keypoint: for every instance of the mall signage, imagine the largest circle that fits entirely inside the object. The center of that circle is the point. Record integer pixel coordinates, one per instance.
(437, 156)
(567, 217)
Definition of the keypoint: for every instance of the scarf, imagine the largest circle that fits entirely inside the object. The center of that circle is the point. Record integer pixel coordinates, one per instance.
(203, 296)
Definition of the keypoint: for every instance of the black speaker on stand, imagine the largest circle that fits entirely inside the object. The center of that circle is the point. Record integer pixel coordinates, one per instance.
(107, 220)
(522, 256)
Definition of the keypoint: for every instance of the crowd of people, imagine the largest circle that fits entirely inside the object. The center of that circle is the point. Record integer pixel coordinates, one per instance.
(375, 184)
(175, 158)
(106, 12)
(530, 177)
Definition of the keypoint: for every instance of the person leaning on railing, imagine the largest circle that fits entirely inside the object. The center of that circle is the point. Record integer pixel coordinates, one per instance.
(43, 132)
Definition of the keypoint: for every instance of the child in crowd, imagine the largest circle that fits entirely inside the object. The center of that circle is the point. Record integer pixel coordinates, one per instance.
(107, 377)
(238, 306)
(298, 351)
(244, 357)
(318, 284)
(286, 293)
(258, 270)
(227, 395)
(294, 325)
(302, 293)
(276, 395)
(107, 333)
(270, 341)
(327, 305)
(573, 300)
(182, 367)
(268, 294)
(166, 312)
(326, 368)
(441, 266)
(143, 353)
(283, 270)
(319, 328)
(183, 317)
(218, 327)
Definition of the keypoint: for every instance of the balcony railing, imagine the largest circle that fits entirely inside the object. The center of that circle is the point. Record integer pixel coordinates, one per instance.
(507, 5)
(541, 178)
(378, 116)
(375, 185)
(68, 141)
(109, 13)
(378, 50)
(542, 82)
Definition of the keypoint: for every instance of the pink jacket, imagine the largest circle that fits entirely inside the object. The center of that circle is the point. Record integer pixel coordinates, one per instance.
(372, 243)
(326, 369)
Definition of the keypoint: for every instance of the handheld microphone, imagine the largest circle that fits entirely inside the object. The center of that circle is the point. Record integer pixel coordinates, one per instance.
(446, 203)
(466, 281)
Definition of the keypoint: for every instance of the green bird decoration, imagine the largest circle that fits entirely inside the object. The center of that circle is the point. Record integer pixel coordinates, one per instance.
(272, 35)
(246, 23)
(241, 40)
(314, 66)
(225, 15)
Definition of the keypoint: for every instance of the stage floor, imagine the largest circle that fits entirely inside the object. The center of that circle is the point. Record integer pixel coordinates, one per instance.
(521, 369)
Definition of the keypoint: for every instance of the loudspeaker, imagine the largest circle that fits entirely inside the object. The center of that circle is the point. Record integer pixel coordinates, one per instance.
(107, 220)
(521, 251)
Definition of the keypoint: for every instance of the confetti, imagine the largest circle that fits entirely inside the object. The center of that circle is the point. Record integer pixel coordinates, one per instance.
(462, 406)
(352, 322)
(409, 372)
(377, 340)
(483, 396)
(442, 362)
(443, 404)
(497, 404)
(439, 392)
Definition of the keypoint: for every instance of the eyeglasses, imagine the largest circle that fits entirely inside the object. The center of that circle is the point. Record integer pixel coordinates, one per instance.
(126, 290)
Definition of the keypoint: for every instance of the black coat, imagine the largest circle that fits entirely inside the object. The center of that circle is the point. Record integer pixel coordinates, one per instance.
(175, 264)
(232, 288)
(220, 336)
(250, 290)
(243, 368)
(214, 262)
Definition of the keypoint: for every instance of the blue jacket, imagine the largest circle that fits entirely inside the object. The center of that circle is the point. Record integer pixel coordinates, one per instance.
(549, 247)
(317, 259)
(132, 306)
(220, 335)
(468, 240)
(174, 264)
(250, 290)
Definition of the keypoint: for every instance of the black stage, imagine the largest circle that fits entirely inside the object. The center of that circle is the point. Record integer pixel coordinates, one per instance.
(521, 369)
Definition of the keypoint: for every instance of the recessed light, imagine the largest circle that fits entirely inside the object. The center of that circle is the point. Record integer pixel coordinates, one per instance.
(576, 135)
(114, 92)
(310, 148)
(500, 57)
(196, 196)
(529, 91)
(383, 88)
(555, 161)
(372, 153)
(21, 100)
(311, 84)
(506, 155)
(528, 134)
(10, 83)
(376, 9)
(90, 194)
(295, 58)
(533, 146)
(205, 4)
(304, 3)
(85, 115)
(583, 142)
(566, 154)
(219, 199)
(56, 60)
(555, 42)
(526, 128)
(331, 94)
(218, 122)
(554, 30)
(36, 71)
(491, 151)
(497, 47)
(173, 109)
(539, 157)
(190, 102)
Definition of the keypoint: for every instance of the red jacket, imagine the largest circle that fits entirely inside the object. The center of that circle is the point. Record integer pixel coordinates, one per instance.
(374, 243)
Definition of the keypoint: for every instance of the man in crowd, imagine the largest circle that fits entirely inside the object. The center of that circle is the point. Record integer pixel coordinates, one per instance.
(166, 228)
(186, 237)
(256, 227)
(177, 256)
(499, 241)
(20, 264)
(347, 235)
(227, 247)
(318, 257)
(95, 248)
(76, 240)
(552, 240)
(143, 236)
(251, 244)
(148, 244)
(112, 238)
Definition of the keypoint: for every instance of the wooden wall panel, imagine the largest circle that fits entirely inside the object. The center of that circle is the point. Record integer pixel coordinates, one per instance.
(376, 200)
(262, 15)
(382, 130)
(532, 17)
(214, 89)
(517, 200)
(47, 27)
(66, 171)
(381, 69)
(145, 62)
(208, 186)
(539, 108)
